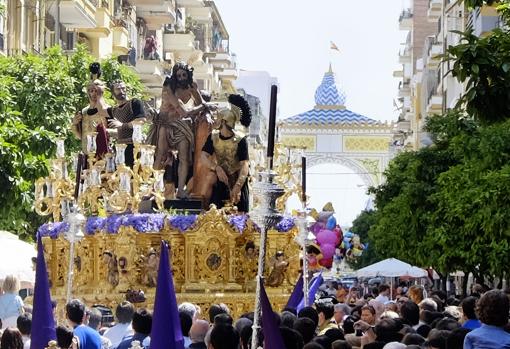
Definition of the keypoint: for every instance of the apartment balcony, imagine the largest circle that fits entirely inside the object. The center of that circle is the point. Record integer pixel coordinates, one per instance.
(190, 3)
(156, 13)
(120, 41)
(228, 74)
(404, 90)
(219, 59)
(403, 125)
(178, 42)
(404, 57)
(75, 14)
(399, 73)
(203, 71)
(102, 28)
(434, 55)
(184, 47)
(405, 21)
(199, 14)
(435, 10)
(435, 104)
(151, 74)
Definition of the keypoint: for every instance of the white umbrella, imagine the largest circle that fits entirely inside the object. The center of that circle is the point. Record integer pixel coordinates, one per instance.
(16, 259)
(416, 272)
(390, 267)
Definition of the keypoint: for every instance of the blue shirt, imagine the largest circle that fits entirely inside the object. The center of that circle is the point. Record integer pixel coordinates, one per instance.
(88, 337)
(126, 343)
(472, 324)
(487, 337)
(10, 305)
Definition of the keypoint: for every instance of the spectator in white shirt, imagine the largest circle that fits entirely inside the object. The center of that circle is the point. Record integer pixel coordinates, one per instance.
(384, 292)
(124, 314)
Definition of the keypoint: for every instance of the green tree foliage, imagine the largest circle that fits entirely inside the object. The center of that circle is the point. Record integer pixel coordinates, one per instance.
(447, 205)
(484, 64)
(39, 95)
(473, 202)
(404, 202)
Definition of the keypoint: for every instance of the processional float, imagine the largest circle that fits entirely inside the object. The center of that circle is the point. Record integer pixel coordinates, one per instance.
(100, 249)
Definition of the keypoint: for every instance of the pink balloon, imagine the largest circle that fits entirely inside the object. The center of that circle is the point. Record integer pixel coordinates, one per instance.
(327, 237)
(328, 251)
(327, 263)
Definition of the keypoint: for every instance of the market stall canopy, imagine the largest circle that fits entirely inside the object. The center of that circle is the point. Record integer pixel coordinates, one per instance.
(391, 267)
(16, 259)
(416, 272)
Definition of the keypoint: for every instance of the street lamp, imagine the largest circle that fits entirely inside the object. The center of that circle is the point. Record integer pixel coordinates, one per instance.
(74, 234)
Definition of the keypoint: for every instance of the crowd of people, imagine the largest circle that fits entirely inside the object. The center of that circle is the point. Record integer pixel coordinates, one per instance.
(338, 319)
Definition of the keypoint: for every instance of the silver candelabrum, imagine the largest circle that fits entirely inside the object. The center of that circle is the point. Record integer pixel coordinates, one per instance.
(74, 234)
(266, 216)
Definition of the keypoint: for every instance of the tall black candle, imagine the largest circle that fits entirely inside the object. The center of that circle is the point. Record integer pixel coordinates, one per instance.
(272, 123)
(303, 180)
(79, 166)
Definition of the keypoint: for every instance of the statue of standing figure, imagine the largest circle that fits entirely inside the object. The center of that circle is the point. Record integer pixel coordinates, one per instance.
(112, 269)
(121, 117)
(93, 118)
(225, 155)
(173, 130)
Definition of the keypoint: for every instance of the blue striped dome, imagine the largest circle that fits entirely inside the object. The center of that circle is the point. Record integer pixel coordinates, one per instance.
(328, 93)
(330, 117)
(330, 108)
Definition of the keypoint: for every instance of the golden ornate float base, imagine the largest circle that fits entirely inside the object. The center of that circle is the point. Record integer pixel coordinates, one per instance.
(211, 263)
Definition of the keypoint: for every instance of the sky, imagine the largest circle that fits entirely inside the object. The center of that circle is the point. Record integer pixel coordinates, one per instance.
(291, 40)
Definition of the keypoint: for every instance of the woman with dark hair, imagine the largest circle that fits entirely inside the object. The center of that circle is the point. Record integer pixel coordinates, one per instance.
(11, 339)
(469, 314)
(492, 310)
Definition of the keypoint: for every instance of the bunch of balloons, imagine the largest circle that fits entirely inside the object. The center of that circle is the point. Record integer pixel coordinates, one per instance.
(333, 243)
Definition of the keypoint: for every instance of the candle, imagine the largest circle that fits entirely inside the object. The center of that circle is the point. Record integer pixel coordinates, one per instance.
(95, 178)
(56, 169)
(60, 148)
(303, 180)
(125, 182)
(272, 124)
(39, 190)
(65, 174)
(137, 133)
(49, 188)
(110, 163)
(159, 184)
(91, 143)
(79, 164)
(120, 154)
